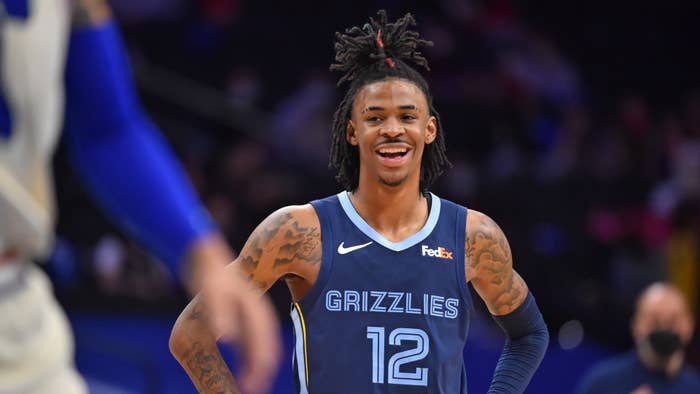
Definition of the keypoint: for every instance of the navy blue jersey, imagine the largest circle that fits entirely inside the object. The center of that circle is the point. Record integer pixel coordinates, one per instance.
(384, 317)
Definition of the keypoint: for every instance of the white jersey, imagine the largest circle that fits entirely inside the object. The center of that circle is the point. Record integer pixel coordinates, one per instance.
(32, 62)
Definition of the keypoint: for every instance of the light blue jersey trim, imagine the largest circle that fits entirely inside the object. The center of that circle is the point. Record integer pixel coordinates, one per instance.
(299, 338)
(360, 223)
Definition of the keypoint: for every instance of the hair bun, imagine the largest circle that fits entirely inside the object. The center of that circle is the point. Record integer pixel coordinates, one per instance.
(378, 41)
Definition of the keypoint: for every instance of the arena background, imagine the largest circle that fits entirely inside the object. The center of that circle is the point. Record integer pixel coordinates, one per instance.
(576, 127)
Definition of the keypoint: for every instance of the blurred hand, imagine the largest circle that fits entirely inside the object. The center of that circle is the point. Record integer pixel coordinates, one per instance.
(644, 389)
(238, 313)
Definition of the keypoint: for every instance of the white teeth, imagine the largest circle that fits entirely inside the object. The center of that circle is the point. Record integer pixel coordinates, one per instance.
(392, 150)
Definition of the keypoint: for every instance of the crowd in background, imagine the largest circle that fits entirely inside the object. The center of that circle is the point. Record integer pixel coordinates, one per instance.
(587, 153)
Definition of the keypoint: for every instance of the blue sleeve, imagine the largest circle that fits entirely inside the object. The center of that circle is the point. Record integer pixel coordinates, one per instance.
(123, 161)
(526, 342)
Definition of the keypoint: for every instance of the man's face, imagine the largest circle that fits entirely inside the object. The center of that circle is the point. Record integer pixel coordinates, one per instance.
(662, 308)
(391, 124)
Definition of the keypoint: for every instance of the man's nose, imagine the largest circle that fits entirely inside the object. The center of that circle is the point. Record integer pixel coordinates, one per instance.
(392, 129)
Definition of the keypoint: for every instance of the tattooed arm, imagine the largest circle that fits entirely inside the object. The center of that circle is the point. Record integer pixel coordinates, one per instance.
(489, 267)
(285, 245)
(194, 346)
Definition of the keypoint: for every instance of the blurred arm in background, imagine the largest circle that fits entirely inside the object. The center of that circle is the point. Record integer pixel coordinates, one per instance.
(126, 165)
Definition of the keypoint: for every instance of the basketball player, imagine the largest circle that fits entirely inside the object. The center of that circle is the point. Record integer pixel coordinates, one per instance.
(378, 273)
(124, 164)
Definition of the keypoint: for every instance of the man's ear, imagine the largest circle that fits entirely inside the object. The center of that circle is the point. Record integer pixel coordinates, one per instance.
(431, 130)
(350, 134)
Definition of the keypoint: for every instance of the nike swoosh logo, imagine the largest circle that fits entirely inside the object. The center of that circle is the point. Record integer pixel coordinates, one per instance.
(343, 250)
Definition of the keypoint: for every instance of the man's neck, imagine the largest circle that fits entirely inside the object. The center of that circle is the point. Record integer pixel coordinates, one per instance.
(396, 212)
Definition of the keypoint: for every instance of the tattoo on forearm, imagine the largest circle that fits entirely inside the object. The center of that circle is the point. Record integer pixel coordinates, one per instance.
(208, 370)
(488, 254)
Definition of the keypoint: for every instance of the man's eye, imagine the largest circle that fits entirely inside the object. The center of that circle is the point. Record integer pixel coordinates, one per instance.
(408, 117)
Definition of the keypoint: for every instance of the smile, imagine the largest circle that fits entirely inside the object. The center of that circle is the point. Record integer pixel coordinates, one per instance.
(392, 152)
(393, 155)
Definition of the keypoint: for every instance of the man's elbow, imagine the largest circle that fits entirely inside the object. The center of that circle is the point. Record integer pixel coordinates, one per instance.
(185, 333)
(178, 340)
(542, 332)
(541, 339)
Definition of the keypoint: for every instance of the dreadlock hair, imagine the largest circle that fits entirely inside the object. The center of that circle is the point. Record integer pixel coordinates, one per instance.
(380, 50)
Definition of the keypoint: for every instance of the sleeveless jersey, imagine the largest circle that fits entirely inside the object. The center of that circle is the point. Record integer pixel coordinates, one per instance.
(384, 317)
(33, 42)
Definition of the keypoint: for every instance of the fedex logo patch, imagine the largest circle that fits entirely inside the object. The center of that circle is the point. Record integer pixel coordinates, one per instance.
(440, 252)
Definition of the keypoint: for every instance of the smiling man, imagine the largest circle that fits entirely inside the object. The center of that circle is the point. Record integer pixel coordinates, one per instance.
(378, 273)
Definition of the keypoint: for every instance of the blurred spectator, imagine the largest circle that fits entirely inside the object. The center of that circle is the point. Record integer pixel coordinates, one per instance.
(684, 155)
(562, 156)
(134, 11)
(123, 269)
(541, 71)
(244, 88)
(301, 131)
(662, 327)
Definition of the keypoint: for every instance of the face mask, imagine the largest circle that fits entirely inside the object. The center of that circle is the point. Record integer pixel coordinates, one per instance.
(664, 342)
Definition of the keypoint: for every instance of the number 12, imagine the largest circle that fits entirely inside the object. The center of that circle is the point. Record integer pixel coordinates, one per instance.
(419, 377)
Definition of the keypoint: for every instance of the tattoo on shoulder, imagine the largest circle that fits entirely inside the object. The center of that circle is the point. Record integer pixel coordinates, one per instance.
(486, 242)
(296, 243)
(302, 243)
(488, 255)
(262, 235)
(251, 260)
